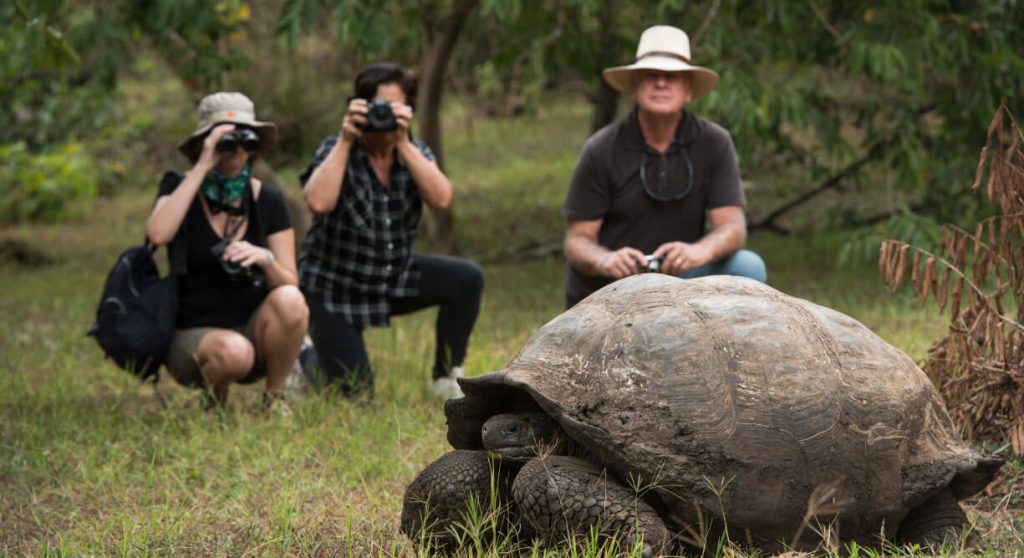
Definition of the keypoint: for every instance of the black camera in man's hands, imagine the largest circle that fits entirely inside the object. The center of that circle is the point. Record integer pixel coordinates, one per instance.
(235, 270)
(653, 264)
(379, 117)
(248, 139)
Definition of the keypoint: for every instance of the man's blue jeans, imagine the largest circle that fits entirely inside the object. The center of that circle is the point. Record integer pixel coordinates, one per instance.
(743, 263)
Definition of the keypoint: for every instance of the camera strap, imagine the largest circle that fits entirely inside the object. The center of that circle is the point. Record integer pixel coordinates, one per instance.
(229, 229)
(237, 215)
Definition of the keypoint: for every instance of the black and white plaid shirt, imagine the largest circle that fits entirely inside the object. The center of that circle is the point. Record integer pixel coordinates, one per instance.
(359, 256)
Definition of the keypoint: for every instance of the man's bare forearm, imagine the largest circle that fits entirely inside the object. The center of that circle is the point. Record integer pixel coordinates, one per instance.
(724, 240)
(584, 253)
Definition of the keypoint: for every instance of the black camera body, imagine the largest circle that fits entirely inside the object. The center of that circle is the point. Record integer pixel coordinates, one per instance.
(248, 139)
(653, 264)
(234, 270)
(379, 117)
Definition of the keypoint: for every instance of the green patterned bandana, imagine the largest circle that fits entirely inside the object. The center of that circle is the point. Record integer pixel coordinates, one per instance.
(221, 190)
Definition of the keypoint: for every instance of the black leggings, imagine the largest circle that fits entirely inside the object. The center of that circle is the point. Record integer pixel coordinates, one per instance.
(454, 284)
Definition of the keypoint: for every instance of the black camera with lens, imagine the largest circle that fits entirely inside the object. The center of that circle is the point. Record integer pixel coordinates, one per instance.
(248, 139)
(235, 270)
(653, 264)
(379, 117)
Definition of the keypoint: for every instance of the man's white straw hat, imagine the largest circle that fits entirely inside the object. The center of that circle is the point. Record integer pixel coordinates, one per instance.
(667, 49)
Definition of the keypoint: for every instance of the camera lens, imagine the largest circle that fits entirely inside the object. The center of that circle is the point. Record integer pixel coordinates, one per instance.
(379, 117)
(379, 111)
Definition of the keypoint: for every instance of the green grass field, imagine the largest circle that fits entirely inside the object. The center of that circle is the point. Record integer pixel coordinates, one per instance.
(93, 465)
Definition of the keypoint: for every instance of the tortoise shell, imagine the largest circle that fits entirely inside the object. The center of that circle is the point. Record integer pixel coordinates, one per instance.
(729, 397)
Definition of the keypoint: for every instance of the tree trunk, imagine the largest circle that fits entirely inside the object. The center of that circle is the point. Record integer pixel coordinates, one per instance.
(439, 224)
(606, 101)
(606, 105)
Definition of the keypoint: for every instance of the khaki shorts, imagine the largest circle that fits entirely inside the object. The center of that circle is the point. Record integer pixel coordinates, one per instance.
(182, 363)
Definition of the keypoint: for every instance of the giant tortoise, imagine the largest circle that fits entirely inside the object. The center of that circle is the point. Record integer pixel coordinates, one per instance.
(670, 409)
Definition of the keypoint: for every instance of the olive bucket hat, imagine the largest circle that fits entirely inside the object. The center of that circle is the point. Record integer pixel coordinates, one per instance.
(667, 49)
(227, 108)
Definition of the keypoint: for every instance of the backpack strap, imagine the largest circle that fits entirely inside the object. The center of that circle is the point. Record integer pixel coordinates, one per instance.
(255, 218)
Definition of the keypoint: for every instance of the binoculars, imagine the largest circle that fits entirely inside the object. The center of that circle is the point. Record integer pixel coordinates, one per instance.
(248, 139)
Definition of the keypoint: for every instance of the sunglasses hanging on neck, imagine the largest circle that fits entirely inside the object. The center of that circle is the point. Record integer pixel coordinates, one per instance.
(667, 176)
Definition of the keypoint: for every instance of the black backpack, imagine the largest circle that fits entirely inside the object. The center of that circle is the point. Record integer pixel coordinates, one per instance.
(137, 312)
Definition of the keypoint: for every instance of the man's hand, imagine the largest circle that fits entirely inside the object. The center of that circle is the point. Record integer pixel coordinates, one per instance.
(588, 257)
(679, 257)
(621, 263)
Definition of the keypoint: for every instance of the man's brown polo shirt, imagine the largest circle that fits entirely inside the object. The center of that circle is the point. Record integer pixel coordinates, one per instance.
(606, 185)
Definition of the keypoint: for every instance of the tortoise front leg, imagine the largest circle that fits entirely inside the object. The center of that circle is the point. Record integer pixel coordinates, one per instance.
(436, 503)
(937, 521)
(565, 496)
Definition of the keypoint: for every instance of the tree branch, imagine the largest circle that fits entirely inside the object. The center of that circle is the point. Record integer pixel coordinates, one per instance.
(824, 21)
(706, 24)
(883, 215)
(834, 181)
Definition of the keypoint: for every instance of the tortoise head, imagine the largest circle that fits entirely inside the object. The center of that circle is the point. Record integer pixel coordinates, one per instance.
(520, 436)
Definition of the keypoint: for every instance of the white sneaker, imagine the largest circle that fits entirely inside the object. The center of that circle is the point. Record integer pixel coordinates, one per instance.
(457, 372)
(446, 388)
(297, 383)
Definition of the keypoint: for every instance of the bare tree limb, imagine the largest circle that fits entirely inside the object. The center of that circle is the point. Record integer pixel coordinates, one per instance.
(835, 181)
(883, 215)
(706, 24)
(824, 21)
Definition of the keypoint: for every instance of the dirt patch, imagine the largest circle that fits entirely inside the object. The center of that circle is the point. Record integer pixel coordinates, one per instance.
(21, 252)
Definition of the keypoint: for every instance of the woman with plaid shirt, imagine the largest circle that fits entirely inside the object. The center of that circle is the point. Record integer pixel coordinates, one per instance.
(365, 187)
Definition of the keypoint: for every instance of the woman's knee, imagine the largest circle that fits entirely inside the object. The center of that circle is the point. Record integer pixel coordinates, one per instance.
(289, 306)
(226, 352)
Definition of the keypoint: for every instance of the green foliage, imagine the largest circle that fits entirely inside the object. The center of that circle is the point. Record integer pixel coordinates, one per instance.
(862, 245)
(373, 27)
(524, 47)
(42, 187)
(43, 44)
(42, 98)
(198, 38)
(924, 78)
(62, 59)
(807, 87)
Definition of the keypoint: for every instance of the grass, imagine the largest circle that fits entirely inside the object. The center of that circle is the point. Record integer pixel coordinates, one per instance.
(93, 464)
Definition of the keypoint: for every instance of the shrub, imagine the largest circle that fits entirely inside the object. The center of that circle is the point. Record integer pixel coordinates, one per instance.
(979, 364)
(41, 187)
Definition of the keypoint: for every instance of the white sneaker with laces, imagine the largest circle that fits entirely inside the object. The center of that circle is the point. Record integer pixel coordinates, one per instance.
(446, 388)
